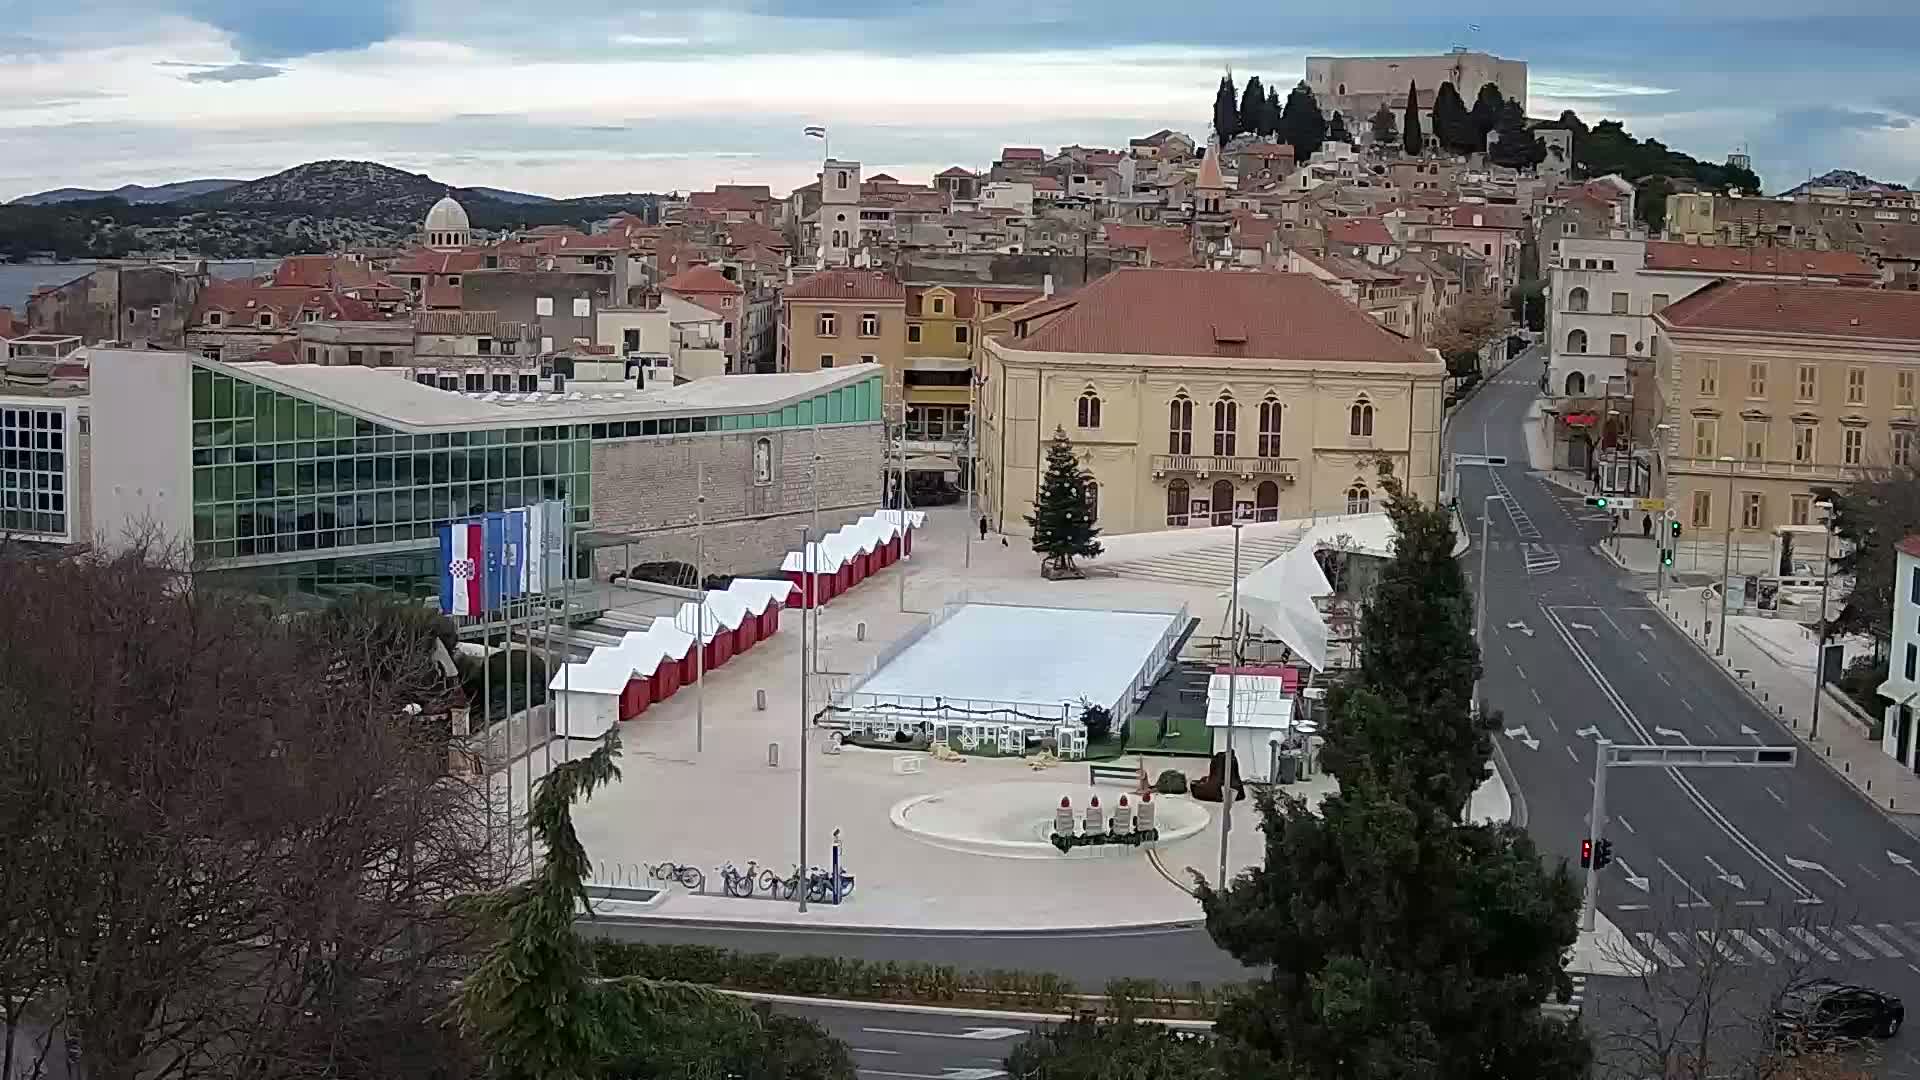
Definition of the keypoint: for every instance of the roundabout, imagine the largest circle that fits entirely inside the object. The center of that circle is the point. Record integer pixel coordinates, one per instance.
(1016, 819)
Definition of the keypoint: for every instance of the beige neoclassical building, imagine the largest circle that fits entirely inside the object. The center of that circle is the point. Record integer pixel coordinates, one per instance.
(1192, 393)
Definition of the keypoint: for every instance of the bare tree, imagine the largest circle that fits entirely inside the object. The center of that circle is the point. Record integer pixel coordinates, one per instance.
(243, 823)
(1701, 999)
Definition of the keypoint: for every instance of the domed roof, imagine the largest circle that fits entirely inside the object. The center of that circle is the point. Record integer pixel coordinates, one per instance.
(447, 216)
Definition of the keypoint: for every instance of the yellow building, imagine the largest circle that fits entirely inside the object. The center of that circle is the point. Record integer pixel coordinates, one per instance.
(1768, 390)
(836, 318)
(1191, 394)
(945, 327)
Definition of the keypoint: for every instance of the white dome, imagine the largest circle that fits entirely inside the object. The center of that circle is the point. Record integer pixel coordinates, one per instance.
(447, 216)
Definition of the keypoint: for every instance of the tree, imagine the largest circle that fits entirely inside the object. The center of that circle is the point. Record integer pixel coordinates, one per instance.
(1467, 326)
(1337, 130)
(1086, 1048)
(1272, 112)
(537, 1006)
(1385, 132)
(1514, 145)
(1486, 109)
(1870, 516)
(1452, 124)
(1301, 124)
(1253, 108)
(1412, 139)
(1226, 110)
(1650, 202)
(1398, 940)
(255, 875)
(1062, 518)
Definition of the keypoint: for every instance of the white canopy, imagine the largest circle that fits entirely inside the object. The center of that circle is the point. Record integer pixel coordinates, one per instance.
(1279, 596)
(825, 559)
(758, 593)
(604, 672)
(1259, 701)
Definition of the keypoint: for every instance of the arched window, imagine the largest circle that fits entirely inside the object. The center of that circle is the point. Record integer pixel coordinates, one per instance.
(1266, 501)
(1088, 413)
(1577, 300)
(1180, 425)
(1093, 500)
(1222, 502)
(1576, 341)
(1576, 383)
(1179, 502)
(1360, 418)
(1269, 446)
(1359, 500)
(1226, 425)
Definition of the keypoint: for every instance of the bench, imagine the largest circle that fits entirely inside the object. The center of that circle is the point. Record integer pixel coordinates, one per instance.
(1112, 774)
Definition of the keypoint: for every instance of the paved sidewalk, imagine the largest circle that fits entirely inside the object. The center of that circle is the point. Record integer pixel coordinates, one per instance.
(1774, 661)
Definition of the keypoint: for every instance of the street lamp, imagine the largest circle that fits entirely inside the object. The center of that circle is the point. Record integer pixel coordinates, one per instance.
(1233, 685)
(1825, 506)
(1480, 601)
(1661, 539)
(1726, 562)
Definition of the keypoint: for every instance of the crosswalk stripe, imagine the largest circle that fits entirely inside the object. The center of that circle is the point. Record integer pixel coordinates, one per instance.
(1814, 943)
(1746, 941)
(1793, 951)
(1879, 946)
(1898, 937)
(1653, 944)
(1847, 943)
(1720, 946)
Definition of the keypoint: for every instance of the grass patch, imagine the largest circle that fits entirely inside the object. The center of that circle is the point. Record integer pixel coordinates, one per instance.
(1190, 737)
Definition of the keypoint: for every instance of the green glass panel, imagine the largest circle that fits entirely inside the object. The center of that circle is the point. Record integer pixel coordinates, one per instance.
(203, 485)
(803, 413)
(202, 394)
(202, 523)
(242, 398)
(203, 433)
(263, 415)
(223, 482)
(789, 416)
(222, 396)
(303, 420)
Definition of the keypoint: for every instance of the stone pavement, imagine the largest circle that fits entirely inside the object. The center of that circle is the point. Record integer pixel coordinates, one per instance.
(1774, 660)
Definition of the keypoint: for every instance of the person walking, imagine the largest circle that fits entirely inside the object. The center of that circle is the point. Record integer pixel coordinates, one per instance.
(1646, 526)
(983, 526)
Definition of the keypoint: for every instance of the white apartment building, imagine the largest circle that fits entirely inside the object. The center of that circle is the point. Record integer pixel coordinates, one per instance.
(1901, 741)
(1599, 315)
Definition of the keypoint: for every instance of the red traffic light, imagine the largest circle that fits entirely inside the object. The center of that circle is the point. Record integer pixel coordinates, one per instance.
(1586, 852)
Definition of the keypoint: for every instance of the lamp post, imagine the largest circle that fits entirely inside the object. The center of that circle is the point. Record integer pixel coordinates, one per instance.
(1480, 601)
(1826, 574)
(1233, 686)
(1726, 562)
(806, 711)
(700, 613)
(1662, 534)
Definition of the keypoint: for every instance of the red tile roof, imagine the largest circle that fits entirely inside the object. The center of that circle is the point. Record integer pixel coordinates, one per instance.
(439, 294)
(1799, 310)
(846, 285)
(724, 199)
(1022, 153)
(1909, 546)
(957, 171)
(322, 272)
(1669, 255)
(247, 298)
(422, 261)
(1360, 230)
(702, 280)
(1045, 183)
(1491, 215)
(1165, 244)
(1154, 312)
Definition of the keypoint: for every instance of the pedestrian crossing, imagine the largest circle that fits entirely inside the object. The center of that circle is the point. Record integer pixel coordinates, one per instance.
(1570, 1008)
(1703, 947)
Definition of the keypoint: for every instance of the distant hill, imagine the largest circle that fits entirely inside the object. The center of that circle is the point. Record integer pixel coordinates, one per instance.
(1843, 178)
(317, 207)
(132, 194)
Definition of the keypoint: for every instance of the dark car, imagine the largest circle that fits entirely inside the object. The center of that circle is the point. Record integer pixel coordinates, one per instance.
(1821, 1012)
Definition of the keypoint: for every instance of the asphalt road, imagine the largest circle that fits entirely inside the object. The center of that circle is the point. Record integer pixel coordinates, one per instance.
(920, 1046)
(1807, 872)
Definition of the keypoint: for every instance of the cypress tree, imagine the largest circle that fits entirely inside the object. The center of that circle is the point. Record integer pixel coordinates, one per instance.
(1337, 130)
(1301, 124)
(1486, 110)
(1451, 123)
(1385, 131)
(1272, 113)
(1226, 110)
(1253, 108)
(1412, 139)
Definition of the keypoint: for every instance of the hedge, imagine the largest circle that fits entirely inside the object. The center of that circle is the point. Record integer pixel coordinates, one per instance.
(911, 981)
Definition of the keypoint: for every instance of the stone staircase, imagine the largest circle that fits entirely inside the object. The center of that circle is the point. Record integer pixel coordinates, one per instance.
(1211, 564)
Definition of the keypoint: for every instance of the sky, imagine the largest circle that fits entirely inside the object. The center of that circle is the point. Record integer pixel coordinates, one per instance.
(575, 97)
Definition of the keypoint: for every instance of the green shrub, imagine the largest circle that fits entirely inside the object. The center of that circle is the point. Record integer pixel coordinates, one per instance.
(1171, 782)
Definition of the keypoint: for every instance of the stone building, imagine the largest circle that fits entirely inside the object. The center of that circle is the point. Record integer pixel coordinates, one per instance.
(139, 305)
(1193, 394)
(840, 318)
(1356, 86)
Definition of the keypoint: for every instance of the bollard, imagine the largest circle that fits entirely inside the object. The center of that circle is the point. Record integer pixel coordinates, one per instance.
(773, 755)
(1846, 767)
(1063, 818)
(1829, 751)
(1123, 817)
(1763, 693)
(760, 700)
(1143, 820)
(1869, 784)
(860, 631)
(1096, 824)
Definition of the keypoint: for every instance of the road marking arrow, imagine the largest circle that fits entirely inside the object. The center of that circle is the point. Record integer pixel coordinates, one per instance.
(1582, 626)
(1648, 629)
(1669, 733)
(1721, 873)
(1632, 879)
(1898, 859)
(1522, 627)
(1749, 732)
(1588, 732)
(1802, 864)
(1525, 736)
(986, 1034)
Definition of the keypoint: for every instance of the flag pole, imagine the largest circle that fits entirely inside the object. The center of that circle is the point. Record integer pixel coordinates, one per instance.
(700, 613)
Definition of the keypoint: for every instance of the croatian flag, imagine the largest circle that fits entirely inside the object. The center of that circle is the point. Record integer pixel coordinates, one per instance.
(462, 556)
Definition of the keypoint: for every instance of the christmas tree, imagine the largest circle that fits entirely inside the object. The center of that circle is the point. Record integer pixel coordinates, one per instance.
(1062, 518)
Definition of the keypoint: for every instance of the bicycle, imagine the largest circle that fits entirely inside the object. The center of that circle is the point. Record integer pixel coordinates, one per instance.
(736, 883)
(786, 888)
(688, 876)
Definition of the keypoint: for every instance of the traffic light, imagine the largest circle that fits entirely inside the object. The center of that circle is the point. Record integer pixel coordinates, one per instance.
(1666, 556)
(1674, 527)
(1598, 501)
(1586, 852)
(1604, 856)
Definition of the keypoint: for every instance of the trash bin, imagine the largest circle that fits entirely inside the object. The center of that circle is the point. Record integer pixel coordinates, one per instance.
(1287, 768)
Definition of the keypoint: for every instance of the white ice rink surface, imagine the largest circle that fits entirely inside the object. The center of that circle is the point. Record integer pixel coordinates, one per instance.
(1041, 655)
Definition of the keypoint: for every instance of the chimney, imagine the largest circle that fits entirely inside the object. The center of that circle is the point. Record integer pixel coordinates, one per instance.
(1046, 287)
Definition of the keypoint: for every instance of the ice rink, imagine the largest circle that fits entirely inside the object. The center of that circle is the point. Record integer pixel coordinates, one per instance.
(1038, 655)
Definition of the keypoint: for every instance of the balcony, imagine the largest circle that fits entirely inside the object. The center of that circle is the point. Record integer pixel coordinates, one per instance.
(1246, 468)
(1773, 470)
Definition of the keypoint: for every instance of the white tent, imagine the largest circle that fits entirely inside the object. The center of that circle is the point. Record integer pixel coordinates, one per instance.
(1279, 597)
(825, 560)
(586, 695)
(757, 593)
(1262, 721)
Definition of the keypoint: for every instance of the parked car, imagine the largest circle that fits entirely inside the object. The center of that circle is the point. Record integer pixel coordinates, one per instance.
(1821, 1012)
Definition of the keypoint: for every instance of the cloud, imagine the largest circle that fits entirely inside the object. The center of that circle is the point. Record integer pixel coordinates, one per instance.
(1833, 118)
(281, 29)
(234, 73)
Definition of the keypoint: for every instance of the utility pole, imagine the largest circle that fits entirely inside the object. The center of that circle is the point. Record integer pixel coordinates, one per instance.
(1726, 564)
(814, 479)
(1233, 685)
(806, 705)
(1480, 602)
(700, 613)
(1820, 655)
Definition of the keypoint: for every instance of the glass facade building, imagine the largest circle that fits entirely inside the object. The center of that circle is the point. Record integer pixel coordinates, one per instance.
(34, 471)
(293, 496)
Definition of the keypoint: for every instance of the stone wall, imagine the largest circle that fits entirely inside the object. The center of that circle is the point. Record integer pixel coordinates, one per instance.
(648, 487)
